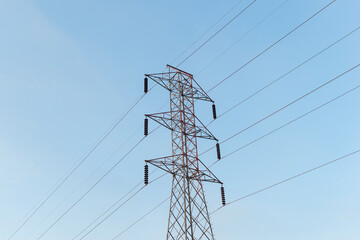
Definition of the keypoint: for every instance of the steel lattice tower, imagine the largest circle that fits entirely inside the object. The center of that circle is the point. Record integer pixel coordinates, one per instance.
(188, 216)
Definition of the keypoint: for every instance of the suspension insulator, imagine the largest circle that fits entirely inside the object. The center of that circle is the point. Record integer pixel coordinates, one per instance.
(146, 127)
(146, 85)
(146, 175)
(218, 151)
(214, 111)
(223, 196)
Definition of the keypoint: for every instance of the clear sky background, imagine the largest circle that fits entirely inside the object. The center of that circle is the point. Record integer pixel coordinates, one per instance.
(69, 69)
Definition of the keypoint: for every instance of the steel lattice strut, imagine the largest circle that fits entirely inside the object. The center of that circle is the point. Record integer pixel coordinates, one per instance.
(188, 216)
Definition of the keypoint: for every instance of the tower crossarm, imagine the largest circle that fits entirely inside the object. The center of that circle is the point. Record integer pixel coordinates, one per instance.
(173, 165)
(167, 79)
(168, 120)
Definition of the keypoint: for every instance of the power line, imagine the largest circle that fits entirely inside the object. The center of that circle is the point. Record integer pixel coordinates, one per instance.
(113, 205)
(288, 123)
(205, 41)
(77, 165)
(288, 179)
(90, 189)
(112, 128)
(313, 110)
(113, 211)
(160, 203)
(216, 33)
(286, 106)
(287, 73)
(89, 225)
(242, 37)
(296, 119)
(271, 46)
(103, 214)
(116, 209)
(292, 120)
(141, 218)
(274, 45)
(87, 179)
(197, 50)
(29, 212)
(202, 35)
(332, 100)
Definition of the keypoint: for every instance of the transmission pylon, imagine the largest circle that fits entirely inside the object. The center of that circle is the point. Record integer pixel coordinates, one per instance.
(188, 216)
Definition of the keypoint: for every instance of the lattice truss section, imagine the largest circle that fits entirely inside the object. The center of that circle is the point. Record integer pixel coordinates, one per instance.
(188, 215)
(172, 121)
(176, 80)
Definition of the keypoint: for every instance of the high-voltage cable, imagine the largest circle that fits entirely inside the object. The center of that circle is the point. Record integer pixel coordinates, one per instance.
(85, 181)
(228, 23)
(285, 74)
(208, 30)
(286, 106)
(288, 123)
(112, 206)
(289, 179)
(117, 208)
(141, 218)
(90, 189)
(98, 224)
(271, 46)
(216, 33)
(246, 145)
(242, 37)
(324, 50)
(77, 165)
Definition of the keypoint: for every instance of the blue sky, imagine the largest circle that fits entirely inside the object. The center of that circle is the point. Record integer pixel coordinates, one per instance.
(69, 69)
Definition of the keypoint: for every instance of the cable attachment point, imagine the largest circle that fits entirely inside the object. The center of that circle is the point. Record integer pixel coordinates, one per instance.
(146, 127)
(218, 151)
(146, 174)
(214, 111)
(223, 195)
(146, 85)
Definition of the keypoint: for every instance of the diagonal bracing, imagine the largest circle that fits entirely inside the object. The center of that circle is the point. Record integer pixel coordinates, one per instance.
(187, 202)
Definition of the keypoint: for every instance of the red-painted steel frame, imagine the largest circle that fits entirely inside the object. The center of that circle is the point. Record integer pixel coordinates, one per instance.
(188, 215)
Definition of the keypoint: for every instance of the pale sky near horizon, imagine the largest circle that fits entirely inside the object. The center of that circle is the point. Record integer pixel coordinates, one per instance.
(69, 69)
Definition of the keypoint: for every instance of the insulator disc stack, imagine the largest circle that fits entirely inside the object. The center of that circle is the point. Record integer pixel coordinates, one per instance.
(218, 151)
(146, 127)
(214, 111)
(146, 89)
(223, 196)
(146, 174)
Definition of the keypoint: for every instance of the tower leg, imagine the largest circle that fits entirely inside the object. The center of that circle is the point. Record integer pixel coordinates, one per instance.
(188, 216)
